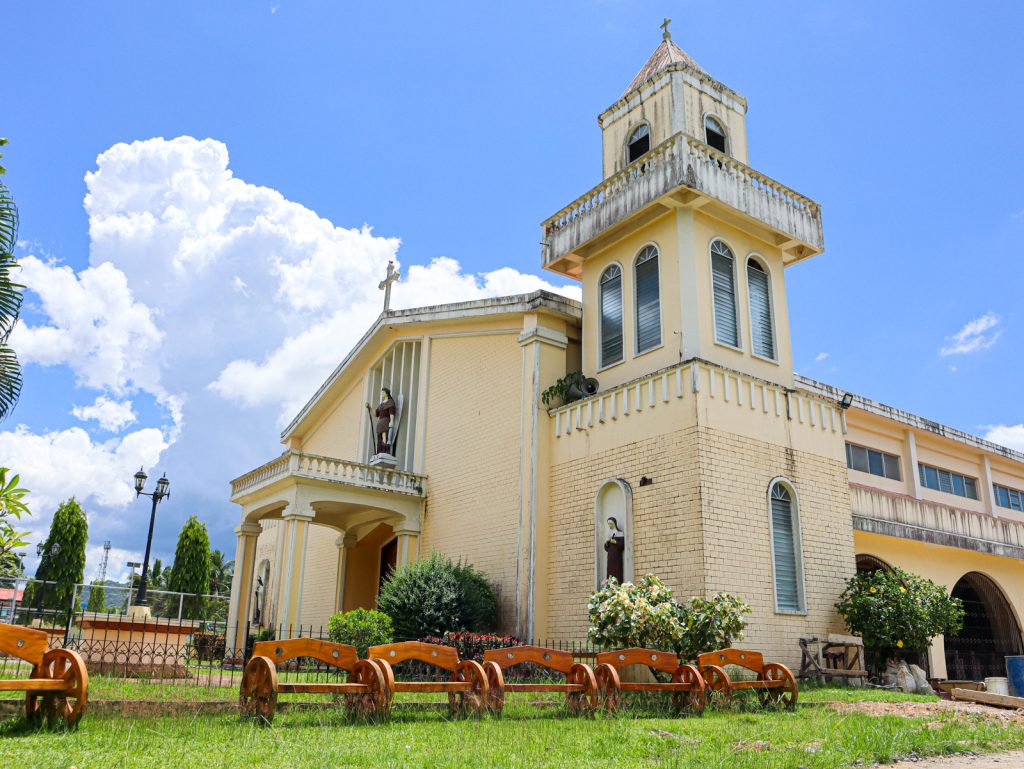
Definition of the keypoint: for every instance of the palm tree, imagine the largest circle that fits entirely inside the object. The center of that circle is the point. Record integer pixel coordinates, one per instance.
(10, 300)
(221, 572)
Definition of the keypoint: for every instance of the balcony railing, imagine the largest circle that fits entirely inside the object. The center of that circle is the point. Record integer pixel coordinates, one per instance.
(682, 161)
(314, 466)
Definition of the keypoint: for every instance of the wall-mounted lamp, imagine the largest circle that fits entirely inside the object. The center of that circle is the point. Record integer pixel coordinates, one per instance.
(645, 481)
(846, 401)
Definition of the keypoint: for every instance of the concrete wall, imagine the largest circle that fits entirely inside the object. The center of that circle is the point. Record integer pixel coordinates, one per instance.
(472, 455)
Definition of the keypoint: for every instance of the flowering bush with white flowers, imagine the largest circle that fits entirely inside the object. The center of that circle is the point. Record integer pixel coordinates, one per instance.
(894, 610)
(646, 614)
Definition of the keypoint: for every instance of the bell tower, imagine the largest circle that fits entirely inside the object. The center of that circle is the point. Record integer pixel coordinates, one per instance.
(682, 248)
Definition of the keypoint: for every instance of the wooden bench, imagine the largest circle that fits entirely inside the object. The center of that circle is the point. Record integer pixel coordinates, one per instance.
(580, 685)
(365, 691)
(58, 686)
(466, 690)
(686, 686)
(774, 683)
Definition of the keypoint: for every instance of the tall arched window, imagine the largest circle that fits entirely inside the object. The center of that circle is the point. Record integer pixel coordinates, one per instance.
(723, 285)
(611, 315)
(648, 300)
(760, 295)
(784, 521)
(639, 142)
(714, 133)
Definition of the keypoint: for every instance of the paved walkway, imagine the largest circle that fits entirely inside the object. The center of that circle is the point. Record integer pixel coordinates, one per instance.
(991, 761)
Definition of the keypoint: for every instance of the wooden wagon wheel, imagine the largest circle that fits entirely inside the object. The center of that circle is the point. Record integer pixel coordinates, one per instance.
(68, 705)
(695, 697)
(585, 701)
(389, 680)
(608, 685)
(786, 693)
(717, 683)
(257, 696)
(374, 702)
(474, 700)
(495, 687)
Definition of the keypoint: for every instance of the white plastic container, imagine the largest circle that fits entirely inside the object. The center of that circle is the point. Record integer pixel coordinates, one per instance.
(997, 685)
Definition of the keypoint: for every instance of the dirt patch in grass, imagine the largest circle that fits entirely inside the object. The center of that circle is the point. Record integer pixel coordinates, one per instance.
(929, 709)
(993, 761)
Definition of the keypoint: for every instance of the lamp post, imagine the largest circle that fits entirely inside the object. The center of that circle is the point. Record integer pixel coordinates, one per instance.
(163, 489)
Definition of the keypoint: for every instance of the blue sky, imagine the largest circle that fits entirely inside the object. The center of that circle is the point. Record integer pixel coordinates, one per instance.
(450, 132)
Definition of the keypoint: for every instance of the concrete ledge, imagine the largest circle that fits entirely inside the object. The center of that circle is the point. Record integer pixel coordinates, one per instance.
(934, 537)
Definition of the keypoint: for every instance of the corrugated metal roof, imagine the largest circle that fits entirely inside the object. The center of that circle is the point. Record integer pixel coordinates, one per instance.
(664, 55)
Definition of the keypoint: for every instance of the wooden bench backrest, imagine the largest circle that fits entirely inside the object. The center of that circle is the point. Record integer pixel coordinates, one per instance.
(24, 642)
(745, 659)
(445, 657)
(666, 662)
(552, 659)
(338, 655)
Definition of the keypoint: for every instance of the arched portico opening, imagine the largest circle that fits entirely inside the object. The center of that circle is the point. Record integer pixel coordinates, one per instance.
(869, 563)
(990, 630)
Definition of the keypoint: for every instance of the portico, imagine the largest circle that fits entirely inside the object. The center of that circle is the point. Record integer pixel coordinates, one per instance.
(299, 490)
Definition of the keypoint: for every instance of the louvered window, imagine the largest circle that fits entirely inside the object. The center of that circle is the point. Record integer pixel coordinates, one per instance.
(611, 316)
(1009, 498)
(948, 482)
(724, 286)
(786, 550)
(648, 300)
(759, 289)
(714, 134)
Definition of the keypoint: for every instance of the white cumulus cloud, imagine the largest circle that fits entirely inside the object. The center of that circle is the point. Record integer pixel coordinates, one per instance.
(976, 335)
(1011, 436)
(212, 295)
(110, 414)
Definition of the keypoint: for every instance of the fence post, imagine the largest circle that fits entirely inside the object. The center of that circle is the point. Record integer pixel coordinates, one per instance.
(71, 614)
(181, 603)
(14, 601)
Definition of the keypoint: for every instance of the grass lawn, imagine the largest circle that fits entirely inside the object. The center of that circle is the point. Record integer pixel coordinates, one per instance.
(814, 737)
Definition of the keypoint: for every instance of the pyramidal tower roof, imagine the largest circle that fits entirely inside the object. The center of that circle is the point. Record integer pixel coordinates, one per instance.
(665, 55)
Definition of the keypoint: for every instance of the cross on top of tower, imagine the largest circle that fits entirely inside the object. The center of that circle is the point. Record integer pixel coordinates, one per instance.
(385, 285)
(664, 26)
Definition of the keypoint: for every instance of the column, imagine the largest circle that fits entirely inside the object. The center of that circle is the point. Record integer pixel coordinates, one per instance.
(241, 587)
(344, 543)
(408, 547)
(289, 586)
(913, 477)
(986, 492)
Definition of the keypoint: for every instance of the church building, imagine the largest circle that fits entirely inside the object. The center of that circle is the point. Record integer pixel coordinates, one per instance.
(696, 455)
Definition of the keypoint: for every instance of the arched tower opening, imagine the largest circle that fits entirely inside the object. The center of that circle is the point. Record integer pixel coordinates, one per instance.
(989, 634)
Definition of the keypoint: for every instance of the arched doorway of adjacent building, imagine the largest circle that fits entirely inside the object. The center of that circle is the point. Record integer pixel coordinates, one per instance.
(990, 630)
(870, 563)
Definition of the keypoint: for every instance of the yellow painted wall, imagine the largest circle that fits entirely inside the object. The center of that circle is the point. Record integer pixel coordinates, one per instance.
(362, 569)
(340, 433)
(946, 565)
(655, 110)
(472, 456)
(320, 576)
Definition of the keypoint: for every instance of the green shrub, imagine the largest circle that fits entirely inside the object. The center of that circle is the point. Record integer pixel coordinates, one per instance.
(435, 596)
(646, 614)
(894, 610)
(362, 628)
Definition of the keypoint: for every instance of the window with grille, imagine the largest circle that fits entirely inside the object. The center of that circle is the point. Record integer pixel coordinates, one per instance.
(761, 331)
(948, 482)
(785, 531)
(724, 288)
(611, 315)
(1009, 498)
(875, 462)
(714, 134)
(648, 300)
(639, 142)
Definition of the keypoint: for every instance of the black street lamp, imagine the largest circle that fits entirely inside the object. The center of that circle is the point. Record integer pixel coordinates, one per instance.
(163, 489)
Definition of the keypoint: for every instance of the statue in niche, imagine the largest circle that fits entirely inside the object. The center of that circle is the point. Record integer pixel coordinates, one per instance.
(257, 609)
(385, 414)
(615, 548)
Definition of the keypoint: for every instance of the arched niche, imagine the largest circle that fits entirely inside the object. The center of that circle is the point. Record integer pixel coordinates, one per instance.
(869, 563)
(990, 631)
(614, 499)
